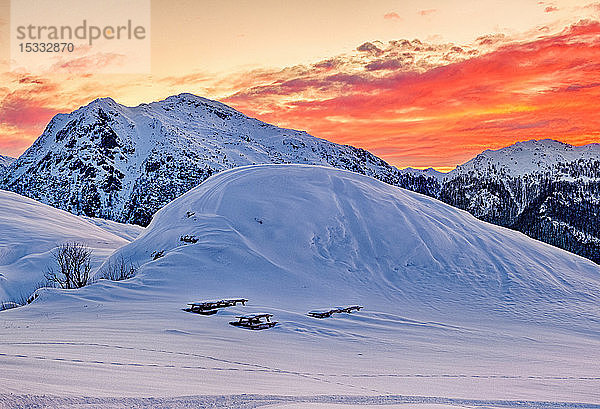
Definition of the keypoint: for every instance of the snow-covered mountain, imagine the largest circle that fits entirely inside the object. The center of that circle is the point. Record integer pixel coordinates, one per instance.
(30, 230)
(453, 306)
(530, 157)
(546, 189)
(124, 163)
(315, 232)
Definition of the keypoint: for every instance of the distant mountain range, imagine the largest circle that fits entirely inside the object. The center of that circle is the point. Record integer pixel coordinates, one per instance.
(546, 189)
(124, 163)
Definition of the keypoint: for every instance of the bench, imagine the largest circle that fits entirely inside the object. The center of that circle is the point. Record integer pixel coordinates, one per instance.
(211, 307)
(254, 321)
(337, 310)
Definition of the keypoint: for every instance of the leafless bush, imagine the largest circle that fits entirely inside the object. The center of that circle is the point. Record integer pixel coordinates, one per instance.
(119, 269)
(72, 269)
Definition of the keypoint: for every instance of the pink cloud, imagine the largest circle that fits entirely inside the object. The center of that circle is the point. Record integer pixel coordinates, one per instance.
(443, 114)
(23, 114)
(392, 16)
(88, 63)
(28, 105)
(427, 12)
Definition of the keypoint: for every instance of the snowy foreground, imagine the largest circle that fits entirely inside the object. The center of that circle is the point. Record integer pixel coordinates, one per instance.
(458, 312)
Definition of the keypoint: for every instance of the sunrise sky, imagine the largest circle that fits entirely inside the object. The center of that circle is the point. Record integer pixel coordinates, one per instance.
(419, 83)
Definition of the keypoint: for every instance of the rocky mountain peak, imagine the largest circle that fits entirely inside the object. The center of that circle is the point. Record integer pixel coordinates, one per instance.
(124, 163)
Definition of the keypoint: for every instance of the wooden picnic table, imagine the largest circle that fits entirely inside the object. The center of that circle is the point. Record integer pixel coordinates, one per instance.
(254, 321)
(211, 306)
(326, 313)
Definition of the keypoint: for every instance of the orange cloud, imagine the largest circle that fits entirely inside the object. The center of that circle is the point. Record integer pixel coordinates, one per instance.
(392, 16)
(427, 12)
(439, 112)
(413, 103)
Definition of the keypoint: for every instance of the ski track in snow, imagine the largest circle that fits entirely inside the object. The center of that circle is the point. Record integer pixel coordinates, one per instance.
(259, 368)
(257, 401)
(255, 367)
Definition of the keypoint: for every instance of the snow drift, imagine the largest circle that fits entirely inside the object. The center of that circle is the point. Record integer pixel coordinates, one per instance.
(300, 236)
(31, 230)
(454, 307)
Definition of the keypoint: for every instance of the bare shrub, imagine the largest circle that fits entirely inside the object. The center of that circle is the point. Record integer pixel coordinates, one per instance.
(119, 269)
(72, 269)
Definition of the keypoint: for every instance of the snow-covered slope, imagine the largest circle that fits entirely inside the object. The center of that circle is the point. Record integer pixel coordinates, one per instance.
(454, 308)
(289, 233)
(127, 231)
(29, 231)
(124, 163)
(546, 189)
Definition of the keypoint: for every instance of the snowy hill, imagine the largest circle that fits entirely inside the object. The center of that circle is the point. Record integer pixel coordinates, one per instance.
(31, 230)
(546, 189)
(454, 308)
(124, 163)
(286, 233)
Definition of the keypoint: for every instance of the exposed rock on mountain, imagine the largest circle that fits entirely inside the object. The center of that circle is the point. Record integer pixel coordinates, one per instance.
(4, 162)
(124, 163)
